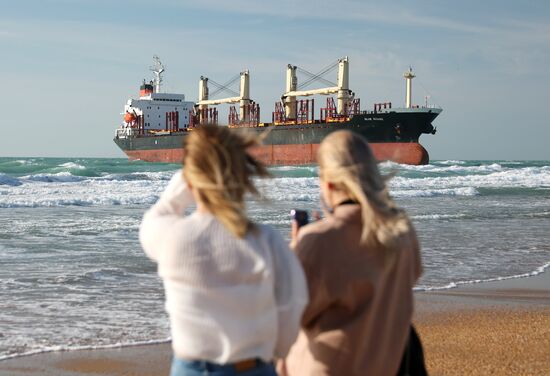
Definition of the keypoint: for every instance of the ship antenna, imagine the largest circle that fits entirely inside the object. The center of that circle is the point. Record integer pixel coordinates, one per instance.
(157, 69)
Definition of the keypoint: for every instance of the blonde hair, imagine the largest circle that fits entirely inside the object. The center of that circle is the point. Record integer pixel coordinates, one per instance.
(346, 160)
(216, 163)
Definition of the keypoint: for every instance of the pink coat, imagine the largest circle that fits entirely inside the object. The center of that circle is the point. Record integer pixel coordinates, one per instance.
(358, 318)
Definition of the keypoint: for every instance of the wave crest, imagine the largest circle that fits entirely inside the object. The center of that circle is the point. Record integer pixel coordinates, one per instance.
(8, 180)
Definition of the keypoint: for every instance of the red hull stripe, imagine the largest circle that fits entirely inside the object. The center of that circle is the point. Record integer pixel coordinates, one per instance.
(405, 152)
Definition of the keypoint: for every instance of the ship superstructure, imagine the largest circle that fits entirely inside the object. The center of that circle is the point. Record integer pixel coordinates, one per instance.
(155, 112)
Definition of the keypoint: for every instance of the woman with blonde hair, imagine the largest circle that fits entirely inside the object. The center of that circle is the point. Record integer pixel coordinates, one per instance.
(361, 263)
(234, 291)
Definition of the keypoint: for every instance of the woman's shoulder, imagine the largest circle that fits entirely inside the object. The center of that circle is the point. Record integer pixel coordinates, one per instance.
(320, 229)
(316, 236)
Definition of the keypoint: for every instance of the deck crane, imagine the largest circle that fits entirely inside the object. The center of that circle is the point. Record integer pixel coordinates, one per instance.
(243, 97)
(341, 88)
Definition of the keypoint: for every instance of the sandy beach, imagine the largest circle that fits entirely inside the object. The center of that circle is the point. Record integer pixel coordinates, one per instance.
(497, 328)
(493, 328)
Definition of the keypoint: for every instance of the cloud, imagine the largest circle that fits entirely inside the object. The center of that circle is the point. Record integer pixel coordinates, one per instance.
(388, 14)
(345, 10)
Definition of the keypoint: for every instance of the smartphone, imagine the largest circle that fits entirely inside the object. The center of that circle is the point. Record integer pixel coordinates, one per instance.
(301, 217)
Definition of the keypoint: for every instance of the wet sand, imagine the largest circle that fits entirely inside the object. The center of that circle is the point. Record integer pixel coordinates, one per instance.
(144, 360)
(497, 328)
(493, 328)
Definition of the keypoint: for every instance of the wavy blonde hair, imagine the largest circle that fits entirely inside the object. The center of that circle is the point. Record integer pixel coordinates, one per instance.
(217, 164)
(346, 160)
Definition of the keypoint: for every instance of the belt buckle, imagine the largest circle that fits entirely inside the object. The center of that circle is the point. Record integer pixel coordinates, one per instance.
(245, 365)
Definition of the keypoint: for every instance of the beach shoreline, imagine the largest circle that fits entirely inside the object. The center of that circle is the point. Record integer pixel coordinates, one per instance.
(499, 327)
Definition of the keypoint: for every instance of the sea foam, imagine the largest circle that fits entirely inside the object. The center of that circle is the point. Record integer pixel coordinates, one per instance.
(59, 348)
(140, 188)
(452, 285)
(72, 165)
(60, 177)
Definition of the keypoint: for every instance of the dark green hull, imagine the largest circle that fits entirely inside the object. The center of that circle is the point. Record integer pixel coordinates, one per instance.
(388, 132)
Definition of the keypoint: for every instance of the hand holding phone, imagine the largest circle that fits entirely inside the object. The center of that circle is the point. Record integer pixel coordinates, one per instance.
(300, 216)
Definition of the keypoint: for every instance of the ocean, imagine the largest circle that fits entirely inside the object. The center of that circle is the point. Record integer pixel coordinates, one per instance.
(73, 275)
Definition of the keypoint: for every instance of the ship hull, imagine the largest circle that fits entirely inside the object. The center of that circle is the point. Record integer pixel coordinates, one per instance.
(411, 153)
(392, 135)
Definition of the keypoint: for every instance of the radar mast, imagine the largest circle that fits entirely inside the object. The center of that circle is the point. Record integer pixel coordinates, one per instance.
(157, 69)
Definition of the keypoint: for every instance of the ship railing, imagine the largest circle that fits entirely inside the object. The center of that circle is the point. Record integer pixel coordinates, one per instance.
(382, 110)
(125, 132)
(432, 106)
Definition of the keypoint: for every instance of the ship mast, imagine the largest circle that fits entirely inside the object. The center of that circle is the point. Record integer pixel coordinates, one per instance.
(343, 85)
(408, 77)
(291, 86)
(203, 93)
(157, 69)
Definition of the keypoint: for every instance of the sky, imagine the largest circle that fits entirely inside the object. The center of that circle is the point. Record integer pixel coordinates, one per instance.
(67, 67)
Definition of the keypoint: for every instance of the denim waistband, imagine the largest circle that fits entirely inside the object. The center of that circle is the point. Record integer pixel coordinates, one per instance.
(206, 366)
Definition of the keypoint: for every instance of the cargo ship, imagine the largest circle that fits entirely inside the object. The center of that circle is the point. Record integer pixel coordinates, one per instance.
(155, 125)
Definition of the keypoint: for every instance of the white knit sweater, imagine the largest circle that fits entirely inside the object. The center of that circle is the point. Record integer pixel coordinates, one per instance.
(228, 299)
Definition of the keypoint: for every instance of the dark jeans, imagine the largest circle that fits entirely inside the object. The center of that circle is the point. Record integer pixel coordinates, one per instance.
(182, 367)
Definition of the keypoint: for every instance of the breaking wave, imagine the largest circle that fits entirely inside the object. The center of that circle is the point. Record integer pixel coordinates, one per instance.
(452, 285)
(72, 165)
(464, 191)
(7, 180)
(528, 177)
(114, 182)
(58, 348)
(60, 177)
(438, 216)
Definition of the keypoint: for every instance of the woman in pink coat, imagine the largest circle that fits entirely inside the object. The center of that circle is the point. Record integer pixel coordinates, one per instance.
(361, 263)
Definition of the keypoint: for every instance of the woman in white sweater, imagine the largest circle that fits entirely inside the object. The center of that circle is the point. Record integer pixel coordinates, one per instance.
(234, 291)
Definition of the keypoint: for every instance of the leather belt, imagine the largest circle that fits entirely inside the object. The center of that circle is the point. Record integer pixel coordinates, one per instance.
(245, 365)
